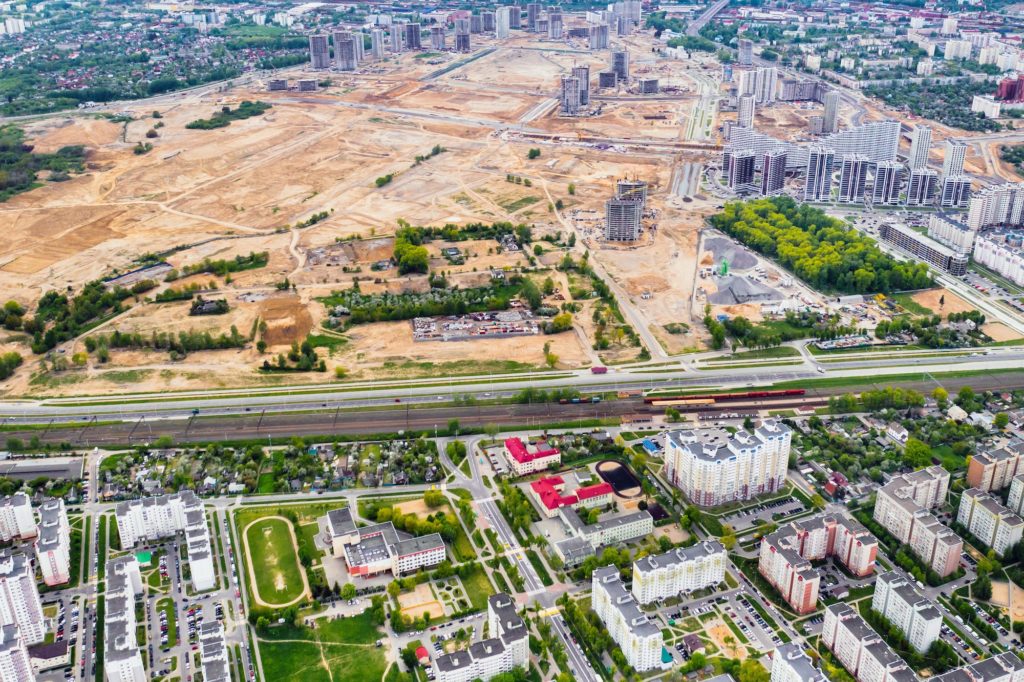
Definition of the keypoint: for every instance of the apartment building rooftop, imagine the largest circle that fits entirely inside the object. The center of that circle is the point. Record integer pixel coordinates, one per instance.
(636, 620)
(679, 555)
(801, 663)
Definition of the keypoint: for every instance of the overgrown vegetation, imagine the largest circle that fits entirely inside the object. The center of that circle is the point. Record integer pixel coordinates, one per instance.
(19, 164)
(817, 248)
(1013, 154)
(298, 359)
(948, 104)
(224, 117)
(224, 266)
(178, 345)
(59, 318)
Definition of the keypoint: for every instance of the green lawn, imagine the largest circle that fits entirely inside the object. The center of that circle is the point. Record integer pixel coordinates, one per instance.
(775, 352)
(265, 483)
(478, 588)
(275, 561)
(538, 566)
(345, 644)
(101, 565)
(167, 606)
(910, 305)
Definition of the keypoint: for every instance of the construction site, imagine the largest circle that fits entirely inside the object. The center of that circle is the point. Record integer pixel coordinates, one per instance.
(303, 182)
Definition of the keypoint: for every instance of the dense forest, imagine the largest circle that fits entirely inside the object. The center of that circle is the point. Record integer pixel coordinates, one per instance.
(947, 104)
(817, 248)
(19, 164)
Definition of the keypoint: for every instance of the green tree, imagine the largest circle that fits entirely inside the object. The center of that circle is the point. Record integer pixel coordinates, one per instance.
(572, 189)
(916, 453)
(348, 591)
(533, 153)
(1001, 421)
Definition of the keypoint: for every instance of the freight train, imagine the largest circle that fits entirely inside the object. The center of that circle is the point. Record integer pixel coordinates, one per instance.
(722, 397)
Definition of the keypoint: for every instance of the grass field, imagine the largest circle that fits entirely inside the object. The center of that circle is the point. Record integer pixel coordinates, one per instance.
(907, 302)
(478, 588)
(101, 565)
(275, 561)
(776, 352)
(167, 606)
(335, 651)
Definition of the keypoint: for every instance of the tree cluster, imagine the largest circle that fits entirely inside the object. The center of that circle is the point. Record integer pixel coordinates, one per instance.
(226, 115)
(224, 266)
(817, 248)
(19, 164)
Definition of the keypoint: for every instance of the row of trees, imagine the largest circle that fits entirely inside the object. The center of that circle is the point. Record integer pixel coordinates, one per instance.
(818, 248)
(179, 344)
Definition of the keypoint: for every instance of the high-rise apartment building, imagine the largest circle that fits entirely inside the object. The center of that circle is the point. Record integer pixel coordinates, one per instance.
(920, 145)
(507, 648)
(766, 81)
(996, 205)
(745, 111)
(160, 517)
(437, 38)
(773, 172)
(712, 467)
(922, 187)
(19, 597)
(462, 42)
(818, 179)
(746, 52)
(569, 96)
(902, 507)
(122, 659)
(791, 664)
(741, 170)
(954, 191)
(1015, 502)
(620, 65)
(397, 36)
(638, 637)
(53, 544)
(345, 57)
(989, 521)
(554, 25)
(582, 74)
(831, 116)
(902, 605)
(377, 43)
(16, 519)
(953, 161)
(213, 651)
(15, 665)
(597, 37)
(885, 189)
(622, 220)
(413, 37)
(853, 177)
(925, 248)
(859, 648)
(319, 52)
(679, 571)
(487, 21)
(532, 16)
(503, 22)
(786, 555)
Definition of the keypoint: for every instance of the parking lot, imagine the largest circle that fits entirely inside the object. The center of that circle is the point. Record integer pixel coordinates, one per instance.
(761, 514)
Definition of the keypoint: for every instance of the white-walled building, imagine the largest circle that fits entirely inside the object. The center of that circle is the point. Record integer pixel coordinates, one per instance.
(19, 597)
(902, 508)
(213, 652)
(637, 635)
(53, 543)
(16, 519)
(1015, 502)
(791, 664)
(901, 604)
(609, 531)
(508, 647)
(523, 461)
(122, 659)
(989, 521)
(712, 467)
(15, 665)
(996, 255)
(678, 571)
(156, 518)
(379, 548)
(859, 648)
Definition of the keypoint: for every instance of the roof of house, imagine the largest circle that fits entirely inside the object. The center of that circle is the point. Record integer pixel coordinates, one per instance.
(519, 452)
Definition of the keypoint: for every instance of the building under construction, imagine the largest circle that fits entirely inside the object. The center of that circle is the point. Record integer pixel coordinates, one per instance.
(624, 212)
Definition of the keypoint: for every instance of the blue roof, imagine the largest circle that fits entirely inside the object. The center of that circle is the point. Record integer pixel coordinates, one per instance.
(666, 657)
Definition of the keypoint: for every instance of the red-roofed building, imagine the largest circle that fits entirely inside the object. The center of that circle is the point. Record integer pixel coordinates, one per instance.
(523, 461)
(422, 655)
(548, 492)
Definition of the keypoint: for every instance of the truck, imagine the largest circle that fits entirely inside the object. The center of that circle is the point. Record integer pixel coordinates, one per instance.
(598, 370)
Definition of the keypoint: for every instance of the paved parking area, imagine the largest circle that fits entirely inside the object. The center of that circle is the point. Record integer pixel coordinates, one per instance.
(746, 518)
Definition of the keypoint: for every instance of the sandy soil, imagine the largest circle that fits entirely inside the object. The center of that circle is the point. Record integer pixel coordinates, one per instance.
(420, 508)
(1009, 595)
(953, 303)
(999, 331)
(419, 601)
(718, 632)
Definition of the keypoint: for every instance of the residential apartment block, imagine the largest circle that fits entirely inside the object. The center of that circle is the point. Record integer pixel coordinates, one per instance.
(791, 664)
(637, 635)
(901, 604)
(608, 531)
(16, 519)
(122, 659)
(507, 648)
(994, 469)
(15, 665)
(678, 571)
(379, 548)
(213, 652)
(156, 518)
(19, 597)
(713, 467)
(1004, 667)
(53, 543)
(786, 555)
(1015, 502)
(989, 521)
(523, 461)
(901, 507)
(859, 648)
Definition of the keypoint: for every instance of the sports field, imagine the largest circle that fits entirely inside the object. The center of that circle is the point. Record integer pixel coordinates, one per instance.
(274, 560)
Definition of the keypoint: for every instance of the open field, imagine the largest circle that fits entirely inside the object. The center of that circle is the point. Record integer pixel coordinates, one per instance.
(339, 650)
(272, 555)
(420, 601)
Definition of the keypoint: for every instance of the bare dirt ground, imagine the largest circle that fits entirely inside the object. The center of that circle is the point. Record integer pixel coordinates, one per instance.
(221, 193)
(419, 601)
(1009, 596)
(420, 508)
(952, 303)
(719, 632)
(999, 331)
